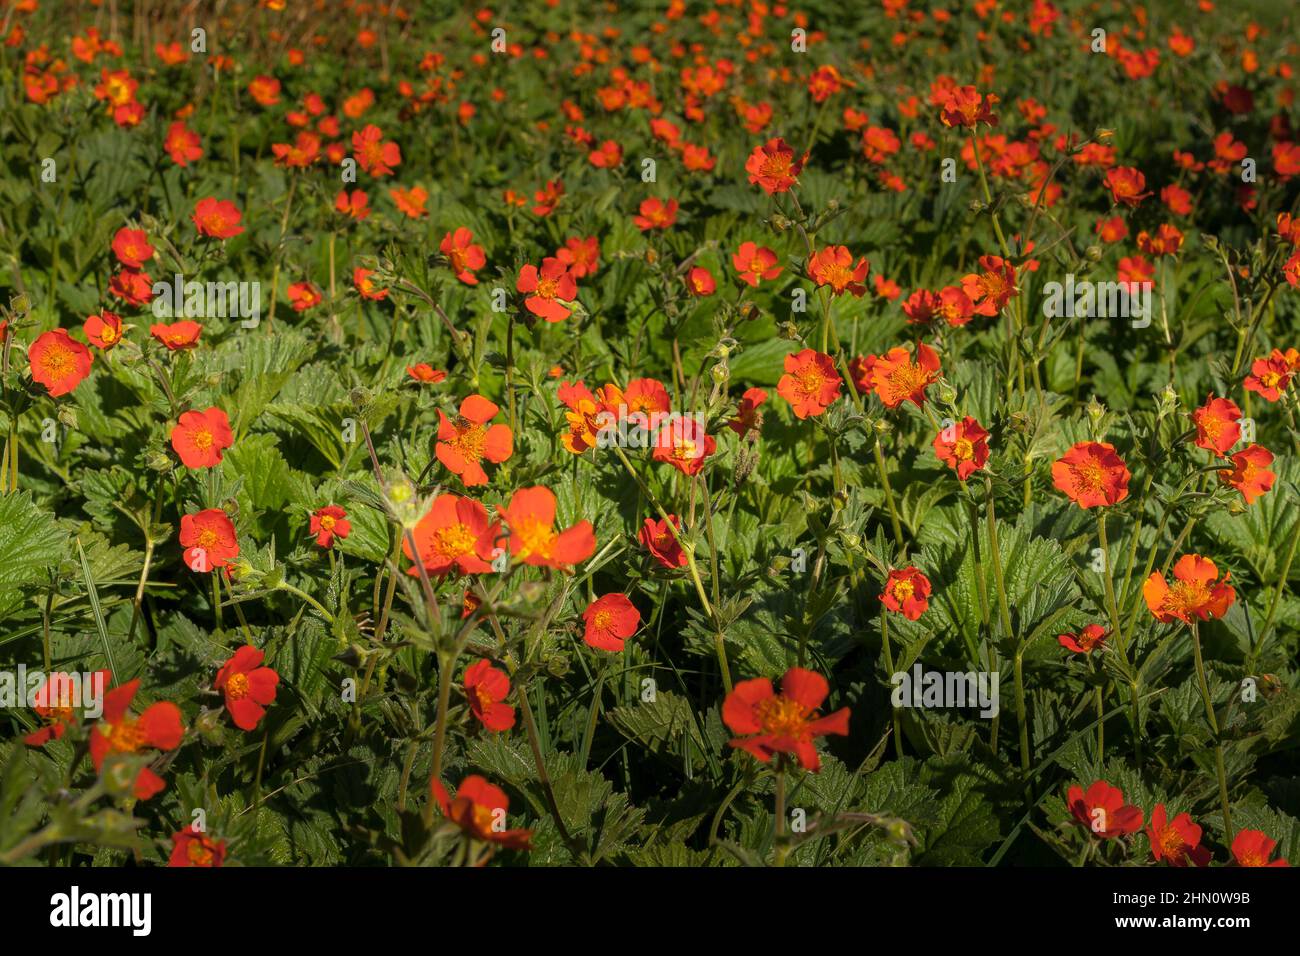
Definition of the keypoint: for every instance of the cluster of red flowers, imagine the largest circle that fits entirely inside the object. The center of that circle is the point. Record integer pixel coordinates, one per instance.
(1175, 841)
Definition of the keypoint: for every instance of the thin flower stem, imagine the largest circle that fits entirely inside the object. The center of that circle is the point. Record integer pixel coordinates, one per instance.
(689, 551)
(889, 497)
(216, 599)
(1273, 604)
(1214, 728)
(286, 586)
(1105, 573)
(1021, 712)
(446, 663)
(780, 849)
(889, 670)
(996, 554)
(1005, 611)
(534, 743)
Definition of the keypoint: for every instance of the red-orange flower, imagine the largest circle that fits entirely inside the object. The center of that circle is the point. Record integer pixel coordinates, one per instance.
(1196, 592)
(1103, 811)
(700, 281)
(1269, 377)
(464, 257)
(1091, 638)
(451, 536)
(265, 89)
(56, 702)
(424, 372)
(132, 286)
(895, 378)
(485, 688)
(158, 728)
(1176, 841)
(182, 144)
(59, 362)
(991, 289)
(329, 523)
(1217, 423)
(196, 849)
(547, 289)
(374, 155)
(1126, 185)
(354, 205)
(683, 443)
(754, 263)
(773, 167)
(208, 539)
(1253, 848)
(907, 592)
(410, 201)
(966, 106)
(662, 543)
(200, 437)
(833, 266)
(179, 335)
(463, 442)
(530, 516)
(582, 256)
(1249, 473)
(248, 686)
(131, 246)
(656, 214)
(748, 417)
(768, 723)
(303, 295)
(218, 218)
(548, 197)
(810, 382)
(103, 330)
(182, 334)
(479, 809)
(610, 620)
(963, 447)
(1092, 474)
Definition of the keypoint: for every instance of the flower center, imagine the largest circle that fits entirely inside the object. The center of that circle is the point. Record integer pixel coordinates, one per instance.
(546, 288)
(1172, 842)
(811, 381)
(198, 853)
(469, 439)
(782, 717)
(1089, 476)
(903, 590)
(838, 276)
(482, 818)
(327, 522)
(453, 541)
(534, 537)
(202, 439)
(1187, 596)
(776, 166)
(963, 449)
(57, 361)
(906, 380)
(603, 620)
(207, 539)
(237, 686)
(125, 736)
